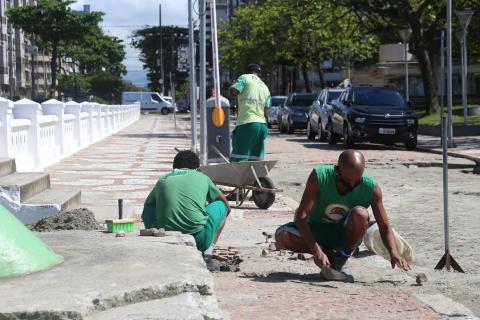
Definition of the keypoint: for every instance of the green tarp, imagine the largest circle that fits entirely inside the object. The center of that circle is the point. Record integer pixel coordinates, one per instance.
(20, 250)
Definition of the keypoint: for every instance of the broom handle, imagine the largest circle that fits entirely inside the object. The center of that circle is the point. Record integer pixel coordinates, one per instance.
(216, 72)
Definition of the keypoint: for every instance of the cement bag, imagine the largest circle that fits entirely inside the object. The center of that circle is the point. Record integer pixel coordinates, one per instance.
(373, 242)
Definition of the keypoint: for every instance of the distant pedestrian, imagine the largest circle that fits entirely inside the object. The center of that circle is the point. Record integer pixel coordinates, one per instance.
(178, 202)
(251, 129)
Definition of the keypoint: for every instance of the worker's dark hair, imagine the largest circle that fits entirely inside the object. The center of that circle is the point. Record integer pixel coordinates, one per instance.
(253, 67)
(186, 159)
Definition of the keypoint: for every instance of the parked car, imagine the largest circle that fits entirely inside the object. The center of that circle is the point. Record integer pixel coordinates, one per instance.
(319, 113)
(294, 113)
(372, 114)
(276, 103)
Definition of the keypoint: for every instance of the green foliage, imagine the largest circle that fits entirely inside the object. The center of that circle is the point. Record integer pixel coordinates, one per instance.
(292, 32)
(64, 33)
(97, 52)
(147, 40)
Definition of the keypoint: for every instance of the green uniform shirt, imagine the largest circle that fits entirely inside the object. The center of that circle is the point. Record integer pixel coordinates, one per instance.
(178, 201)
(332, 207)
(253, 98)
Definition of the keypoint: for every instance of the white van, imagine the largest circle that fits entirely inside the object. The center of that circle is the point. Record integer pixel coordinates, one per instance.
(149, 101)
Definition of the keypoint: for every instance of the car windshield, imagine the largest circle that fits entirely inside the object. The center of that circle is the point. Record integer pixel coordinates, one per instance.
(303, 101)
(378, 98)
(332, 95)
(277, 102)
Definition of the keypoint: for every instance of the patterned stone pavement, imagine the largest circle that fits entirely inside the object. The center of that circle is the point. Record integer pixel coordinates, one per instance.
(125, 165)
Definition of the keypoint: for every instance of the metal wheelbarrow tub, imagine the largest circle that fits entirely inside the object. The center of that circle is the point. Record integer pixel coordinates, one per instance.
(250, 175)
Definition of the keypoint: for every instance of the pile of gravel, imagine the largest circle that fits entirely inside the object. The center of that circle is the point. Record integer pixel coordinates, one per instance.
(76, 219)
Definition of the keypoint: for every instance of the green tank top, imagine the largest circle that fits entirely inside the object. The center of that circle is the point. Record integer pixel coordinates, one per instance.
(332, 207)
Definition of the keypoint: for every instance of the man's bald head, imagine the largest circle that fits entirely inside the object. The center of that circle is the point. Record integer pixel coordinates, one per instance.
(351, 165)
(351, 159)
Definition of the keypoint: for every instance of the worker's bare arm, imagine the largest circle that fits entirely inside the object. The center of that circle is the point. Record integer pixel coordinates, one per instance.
(301, 217)
(385, 230)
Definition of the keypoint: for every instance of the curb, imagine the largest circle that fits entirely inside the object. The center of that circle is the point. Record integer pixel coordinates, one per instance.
(445, 306)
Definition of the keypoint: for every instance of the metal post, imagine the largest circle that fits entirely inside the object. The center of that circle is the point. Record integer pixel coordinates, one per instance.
(192, 79)
(407, 95)
(464, 75)
(449, 72)
(447, 261)
(442, 73)
(161, 51)
(445, 187)
(202, 95)
(172, 94)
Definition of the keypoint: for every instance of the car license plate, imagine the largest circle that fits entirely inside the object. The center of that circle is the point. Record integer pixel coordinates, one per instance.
(386, 131)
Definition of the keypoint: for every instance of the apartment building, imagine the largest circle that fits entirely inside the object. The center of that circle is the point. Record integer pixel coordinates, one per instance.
(21, 63)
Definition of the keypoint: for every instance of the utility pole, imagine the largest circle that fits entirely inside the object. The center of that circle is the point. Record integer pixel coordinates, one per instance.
(162, 78)
(202, 95)
(192, 78)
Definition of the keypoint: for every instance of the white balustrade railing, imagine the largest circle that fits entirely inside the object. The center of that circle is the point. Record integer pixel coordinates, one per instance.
(40, 135)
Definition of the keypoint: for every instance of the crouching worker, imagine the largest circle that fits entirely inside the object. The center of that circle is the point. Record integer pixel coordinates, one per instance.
(332, 217)
(186, 200)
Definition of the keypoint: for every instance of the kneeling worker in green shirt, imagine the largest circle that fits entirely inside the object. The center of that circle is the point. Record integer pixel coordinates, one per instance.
(178, 202)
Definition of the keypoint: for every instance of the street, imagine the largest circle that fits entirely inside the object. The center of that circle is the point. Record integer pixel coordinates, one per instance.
(277, 287)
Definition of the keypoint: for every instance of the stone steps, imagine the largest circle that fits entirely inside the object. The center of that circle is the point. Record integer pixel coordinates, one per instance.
(22, 186)
(67, 199)
(30, 190)
(7, 166)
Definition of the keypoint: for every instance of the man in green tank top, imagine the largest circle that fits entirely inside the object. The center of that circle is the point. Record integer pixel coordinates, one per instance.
(251, 129)
(332, 217)
(186, 200)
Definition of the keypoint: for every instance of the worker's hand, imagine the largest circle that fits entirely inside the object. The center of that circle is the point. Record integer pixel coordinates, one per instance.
(398, 260)
(321, 260)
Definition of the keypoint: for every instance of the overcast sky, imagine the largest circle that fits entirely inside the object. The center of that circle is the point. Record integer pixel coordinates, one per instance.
(123, 16)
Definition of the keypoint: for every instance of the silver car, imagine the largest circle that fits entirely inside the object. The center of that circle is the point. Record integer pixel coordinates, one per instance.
(276, 103)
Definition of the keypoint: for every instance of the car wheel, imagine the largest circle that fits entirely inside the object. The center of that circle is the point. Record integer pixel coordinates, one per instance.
(322, 135)
(164, 111)
(411, 144)
(281, 127)
(290, 127)
(348, 142)
(310, 133)
(331, 136)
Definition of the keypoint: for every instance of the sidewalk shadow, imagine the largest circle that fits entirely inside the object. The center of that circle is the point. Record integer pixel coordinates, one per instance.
(325, 146)
(278, 277)
(153, 135)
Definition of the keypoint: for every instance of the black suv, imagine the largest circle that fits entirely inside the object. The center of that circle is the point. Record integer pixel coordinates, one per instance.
(372, 114)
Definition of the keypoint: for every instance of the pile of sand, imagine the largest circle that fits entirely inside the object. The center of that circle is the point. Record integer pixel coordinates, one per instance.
(76, 219)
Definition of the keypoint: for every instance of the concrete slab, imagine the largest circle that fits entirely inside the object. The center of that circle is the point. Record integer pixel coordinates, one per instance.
(66, 199)
(446, 306)
(102, 272)
(186, 306)
(22, 186)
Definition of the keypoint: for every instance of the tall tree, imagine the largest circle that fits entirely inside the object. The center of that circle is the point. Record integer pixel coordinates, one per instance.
(298, 33)
(147, 40)
(54, 24)
(423, 17)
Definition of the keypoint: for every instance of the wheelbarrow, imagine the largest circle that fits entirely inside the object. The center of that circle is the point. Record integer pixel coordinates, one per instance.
(245, 177)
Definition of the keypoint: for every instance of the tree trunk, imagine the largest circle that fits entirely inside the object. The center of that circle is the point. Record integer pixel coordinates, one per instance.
(284, 80)
(426, 68)
(53, 69)
(294, 79)
(321, 76)
(305, 77)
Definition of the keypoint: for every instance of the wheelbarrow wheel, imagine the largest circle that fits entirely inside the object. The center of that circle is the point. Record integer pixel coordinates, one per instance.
(264, 200)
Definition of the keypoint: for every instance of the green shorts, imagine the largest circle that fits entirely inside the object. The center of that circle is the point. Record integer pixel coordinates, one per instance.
(327, 235)
(217, 211)
(248, 142)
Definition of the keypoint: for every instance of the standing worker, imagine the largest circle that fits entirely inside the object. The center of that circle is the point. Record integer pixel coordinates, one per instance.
(251, 129)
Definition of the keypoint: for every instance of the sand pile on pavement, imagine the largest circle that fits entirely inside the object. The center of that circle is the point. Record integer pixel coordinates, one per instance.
(76, 219)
